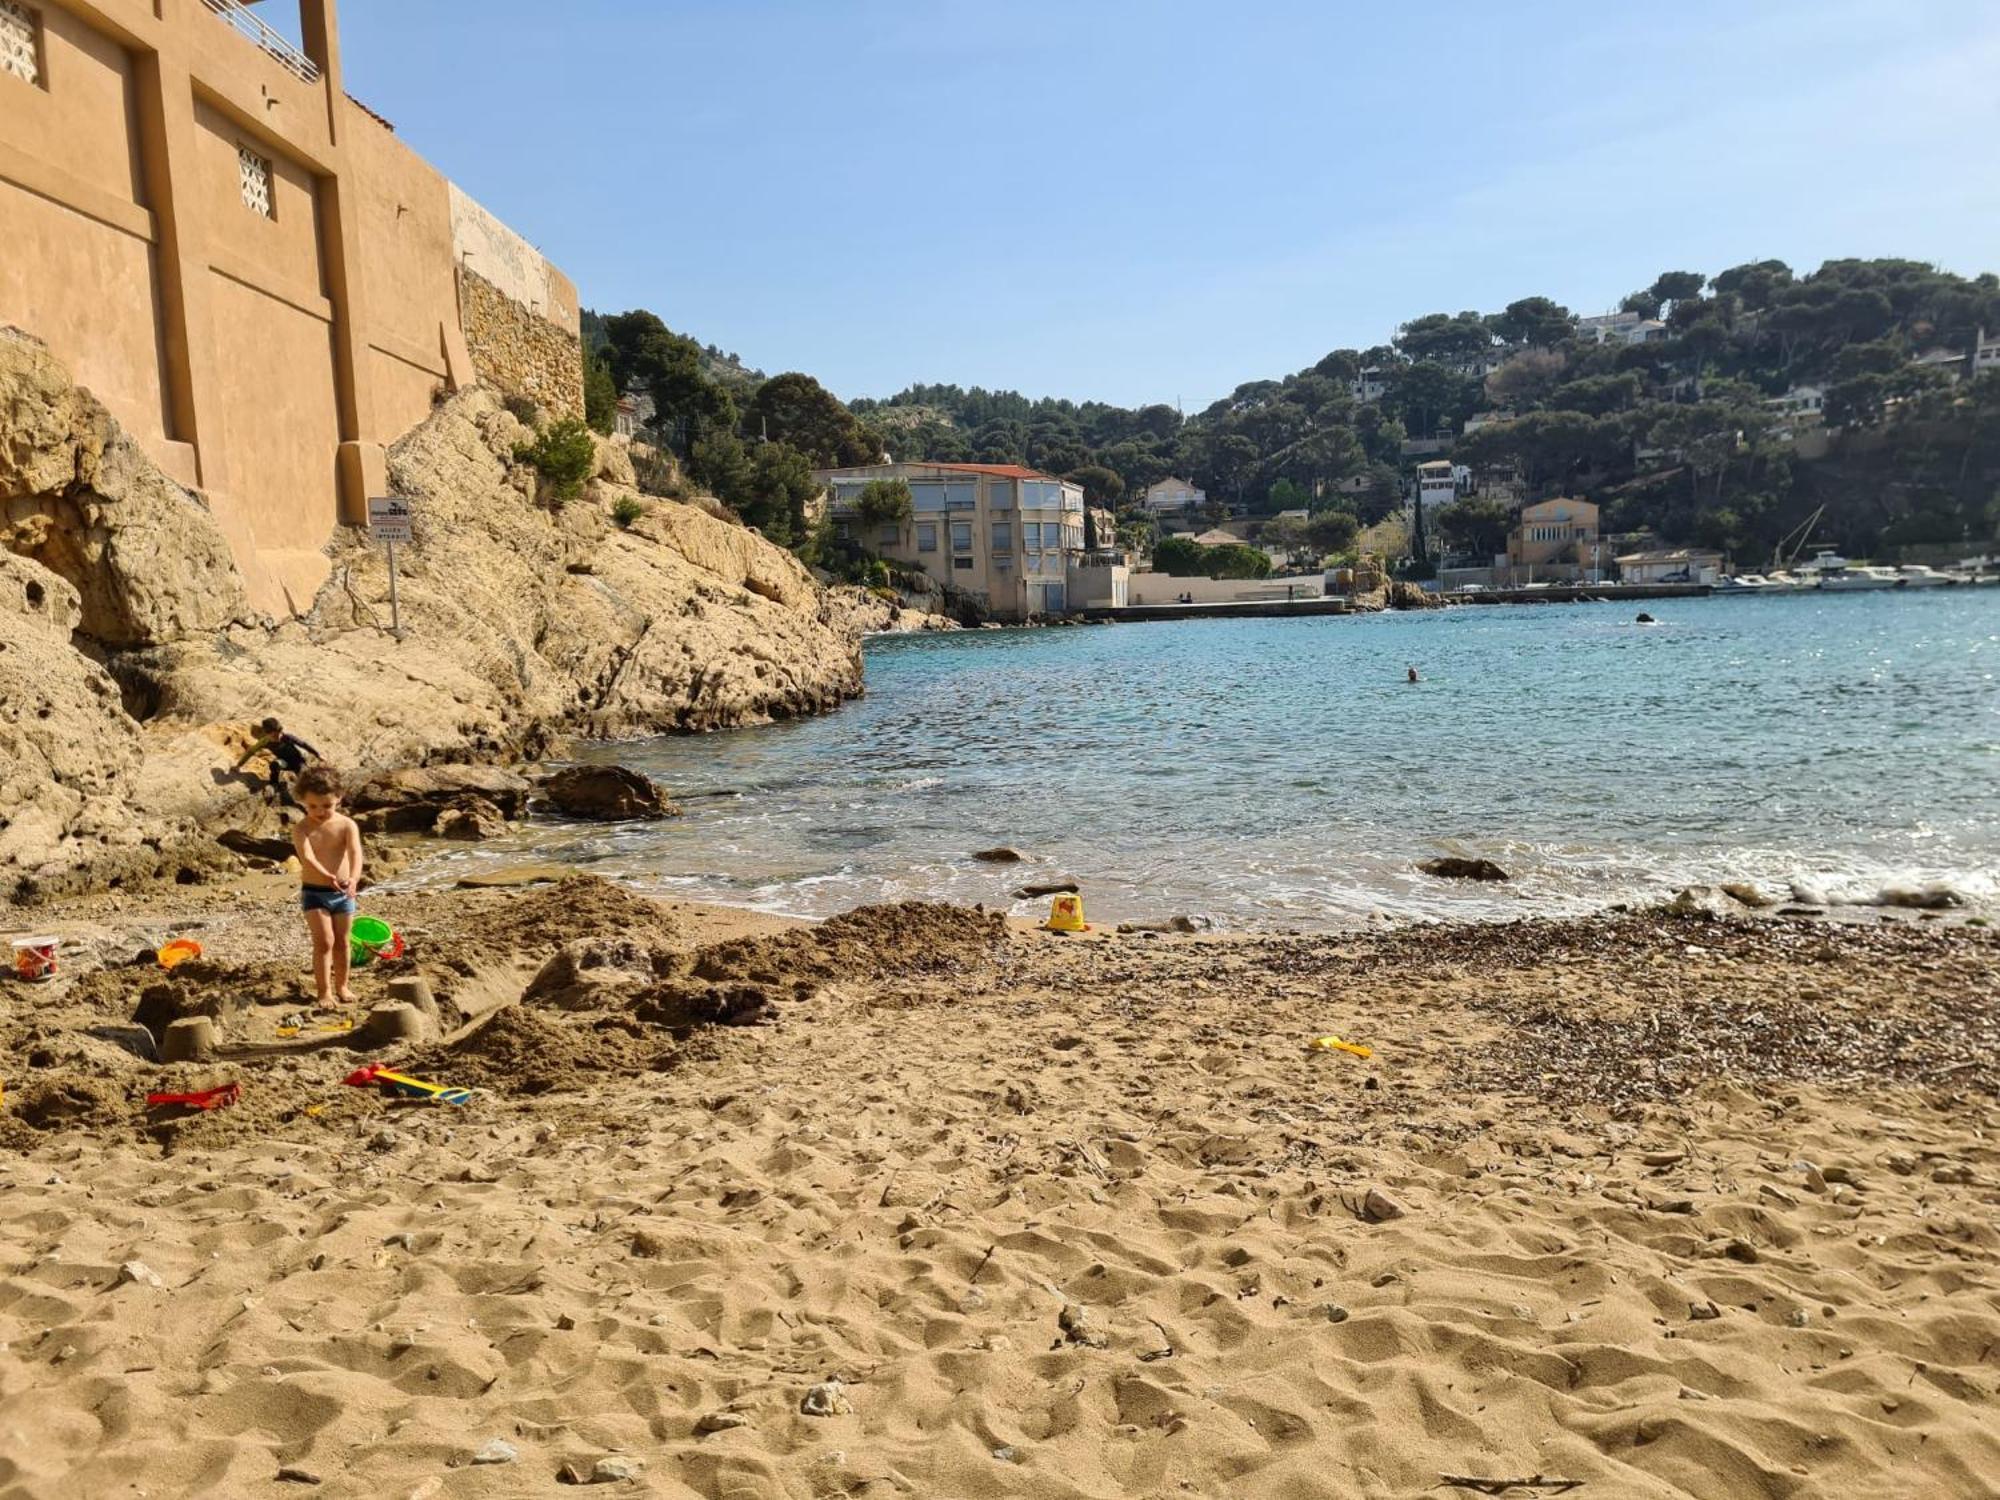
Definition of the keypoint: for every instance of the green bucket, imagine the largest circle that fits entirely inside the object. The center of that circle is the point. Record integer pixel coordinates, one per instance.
(366, 939)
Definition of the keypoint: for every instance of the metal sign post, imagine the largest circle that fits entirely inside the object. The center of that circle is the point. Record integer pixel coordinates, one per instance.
(389, 523)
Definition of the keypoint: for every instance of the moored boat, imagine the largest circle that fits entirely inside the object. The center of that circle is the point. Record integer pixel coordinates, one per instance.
(1854, 580)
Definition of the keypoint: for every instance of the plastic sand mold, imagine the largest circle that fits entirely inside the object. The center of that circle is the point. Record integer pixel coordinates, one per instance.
(1335, 1044)
(214, 1098)
(178, 951)
(404, 1086)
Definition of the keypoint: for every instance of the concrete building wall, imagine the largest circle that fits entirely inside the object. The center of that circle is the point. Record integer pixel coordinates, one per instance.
(1164, 588)
(267, 357)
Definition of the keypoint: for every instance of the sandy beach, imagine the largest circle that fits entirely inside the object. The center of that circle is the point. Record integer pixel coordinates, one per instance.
(917, 1202)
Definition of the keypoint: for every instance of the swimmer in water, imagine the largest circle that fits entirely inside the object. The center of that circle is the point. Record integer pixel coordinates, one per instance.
(1413, 674)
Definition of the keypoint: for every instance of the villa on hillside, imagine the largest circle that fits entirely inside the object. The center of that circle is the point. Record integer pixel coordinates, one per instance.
(1007, 535)
(1620, 328)
(1556, 541)
(1986, 353)
(1171, 497)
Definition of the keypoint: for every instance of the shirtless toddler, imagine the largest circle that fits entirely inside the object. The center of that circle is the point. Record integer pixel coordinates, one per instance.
(328, 843)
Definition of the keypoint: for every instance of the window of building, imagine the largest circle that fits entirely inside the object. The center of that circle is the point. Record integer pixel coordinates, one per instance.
(961, 536)
(927, 536)
(1003, 536)
(1031, 534)
(927, 496)
(1003, 564)
(1000, 494)
(20, 42)
(963, 564)
(253, 174)
(889, 534)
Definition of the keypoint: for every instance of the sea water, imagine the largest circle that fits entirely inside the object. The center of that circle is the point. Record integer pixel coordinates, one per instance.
(1284, 773)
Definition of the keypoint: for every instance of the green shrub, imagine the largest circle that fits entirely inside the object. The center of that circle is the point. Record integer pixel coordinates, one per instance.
(884, 502)
(625, 510)
(563, 455)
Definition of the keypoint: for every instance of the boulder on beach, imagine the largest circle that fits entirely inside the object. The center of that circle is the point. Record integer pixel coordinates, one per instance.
(470, 818)
(413, 799)
(1451, 867)
(610, 793)
(1002, 855)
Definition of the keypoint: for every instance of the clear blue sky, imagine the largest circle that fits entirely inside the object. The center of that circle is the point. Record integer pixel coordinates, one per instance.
(1141, 200)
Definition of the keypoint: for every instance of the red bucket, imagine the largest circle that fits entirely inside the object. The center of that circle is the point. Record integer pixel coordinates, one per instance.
(35, 958)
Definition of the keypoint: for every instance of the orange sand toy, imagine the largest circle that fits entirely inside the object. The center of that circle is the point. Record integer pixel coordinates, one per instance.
(178, 951)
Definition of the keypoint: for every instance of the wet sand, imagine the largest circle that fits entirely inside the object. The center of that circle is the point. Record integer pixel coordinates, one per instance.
(1668, 1205)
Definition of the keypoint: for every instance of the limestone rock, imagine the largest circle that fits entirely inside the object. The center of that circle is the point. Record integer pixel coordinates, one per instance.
(611, 793)
(414, 799)
(470, 818)
(145, 557)
(69, 754)
(1451, 867)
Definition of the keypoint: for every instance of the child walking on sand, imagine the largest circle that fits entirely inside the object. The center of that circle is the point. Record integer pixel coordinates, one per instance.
(328, 843)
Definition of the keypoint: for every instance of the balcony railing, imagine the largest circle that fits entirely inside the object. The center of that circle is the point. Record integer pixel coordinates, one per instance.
(286, 55)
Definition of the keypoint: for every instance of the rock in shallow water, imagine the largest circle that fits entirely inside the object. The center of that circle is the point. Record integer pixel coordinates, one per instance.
(1451, 867)
(612, 793)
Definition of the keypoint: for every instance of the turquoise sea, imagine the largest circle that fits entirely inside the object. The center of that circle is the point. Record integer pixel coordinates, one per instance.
(1282, 773)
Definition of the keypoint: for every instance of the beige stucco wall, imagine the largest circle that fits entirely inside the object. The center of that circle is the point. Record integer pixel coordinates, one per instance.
(268, 360)
(103, 302)
(281, 428)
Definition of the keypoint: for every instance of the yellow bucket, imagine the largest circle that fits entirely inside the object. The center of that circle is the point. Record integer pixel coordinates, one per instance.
(1066, 914)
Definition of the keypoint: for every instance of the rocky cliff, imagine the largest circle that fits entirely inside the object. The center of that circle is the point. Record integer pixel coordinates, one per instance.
(524, 620)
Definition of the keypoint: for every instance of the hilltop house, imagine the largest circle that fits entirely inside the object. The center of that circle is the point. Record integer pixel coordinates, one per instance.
(1986, 353)
(1005, 534)
(1950, 361)
(1620, 328)
(1556, 541)
(1170, 497)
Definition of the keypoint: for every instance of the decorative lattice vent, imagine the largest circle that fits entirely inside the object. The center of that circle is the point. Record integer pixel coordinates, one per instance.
(255, 174)
(20, 42)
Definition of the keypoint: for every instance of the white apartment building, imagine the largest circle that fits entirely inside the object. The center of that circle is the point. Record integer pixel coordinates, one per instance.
(1006, 534)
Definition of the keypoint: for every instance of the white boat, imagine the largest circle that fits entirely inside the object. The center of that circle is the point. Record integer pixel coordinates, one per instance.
(1917, 576)
(1742, 583)
(1853, 580)
(1782, 582)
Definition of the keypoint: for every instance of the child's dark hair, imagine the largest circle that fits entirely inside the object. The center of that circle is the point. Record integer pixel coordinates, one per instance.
(317, 780)
(272, 726)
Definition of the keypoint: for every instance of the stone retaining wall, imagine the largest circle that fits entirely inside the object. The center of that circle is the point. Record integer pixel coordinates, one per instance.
(517, 351)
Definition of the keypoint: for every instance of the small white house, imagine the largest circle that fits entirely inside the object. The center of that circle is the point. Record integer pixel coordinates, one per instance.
(1171, 496)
